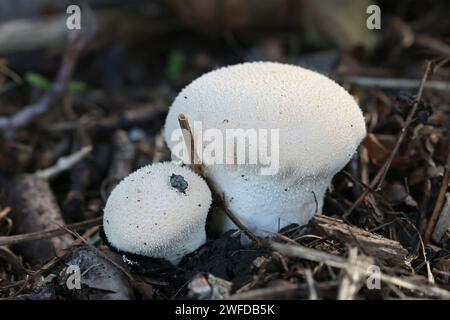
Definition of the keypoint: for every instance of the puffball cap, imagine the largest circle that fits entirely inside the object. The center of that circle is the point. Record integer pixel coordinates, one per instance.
(145, 215)
(320, 124)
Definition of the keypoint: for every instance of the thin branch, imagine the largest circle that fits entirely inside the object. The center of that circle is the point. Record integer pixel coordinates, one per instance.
(64, 163)
(190, 144)
(189, 141)
(369, 189)
(440, 201)
(33, 236)
(4, 213)
(220, 202)
(381, 174)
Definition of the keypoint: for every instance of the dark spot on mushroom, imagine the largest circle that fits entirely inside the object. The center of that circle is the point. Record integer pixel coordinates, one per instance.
(199, 204)
(107, 221)
(351, 125)
(285, 189)
(185, 97)
(231, 199)
(137, 227)
(177, 181)
(138, 200)
(226, 121)
(242, 175)
(145, 243)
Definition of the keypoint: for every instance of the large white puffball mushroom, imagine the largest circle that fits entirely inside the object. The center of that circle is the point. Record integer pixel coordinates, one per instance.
(158, 211)
(320, 126)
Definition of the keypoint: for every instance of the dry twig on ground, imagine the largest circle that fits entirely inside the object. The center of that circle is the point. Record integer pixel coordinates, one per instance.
(377, 181)
(190, 146)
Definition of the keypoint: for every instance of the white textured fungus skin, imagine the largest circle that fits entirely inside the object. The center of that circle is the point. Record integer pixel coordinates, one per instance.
(145, 215)
(320, 127)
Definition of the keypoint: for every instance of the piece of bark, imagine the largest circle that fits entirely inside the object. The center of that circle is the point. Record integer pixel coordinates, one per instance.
(80, 177)
(34, 208)
(370, 244)
(123, 158)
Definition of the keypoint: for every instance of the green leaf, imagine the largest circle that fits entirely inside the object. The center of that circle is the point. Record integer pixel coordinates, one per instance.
(175, 64)
(38, 81)
(76, 86)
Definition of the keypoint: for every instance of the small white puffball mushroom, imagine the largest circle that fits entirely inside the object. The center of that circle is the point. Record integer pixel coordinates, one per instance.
(320, 126)
(158, 211)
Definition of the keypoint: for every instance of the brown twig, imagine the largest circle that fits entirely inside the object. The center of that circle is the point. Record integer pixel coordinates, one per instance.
(4, 212)
(440, 201)
(219, 201)
(381, 174)
(369, 189)
(50, 97)
(189, 141)
(196, 167)
(64, 163)
(34, 236)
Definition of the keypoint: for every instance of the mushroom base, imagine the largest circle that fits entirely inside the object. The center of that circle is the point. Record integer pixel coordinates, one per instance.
(266, 204)
(189, 243)
(188, 247)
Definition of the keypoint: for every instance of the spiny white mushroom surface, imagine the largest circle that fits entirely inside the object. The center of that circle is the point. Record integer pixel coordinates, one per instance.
(320, 127)
(153, 212)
